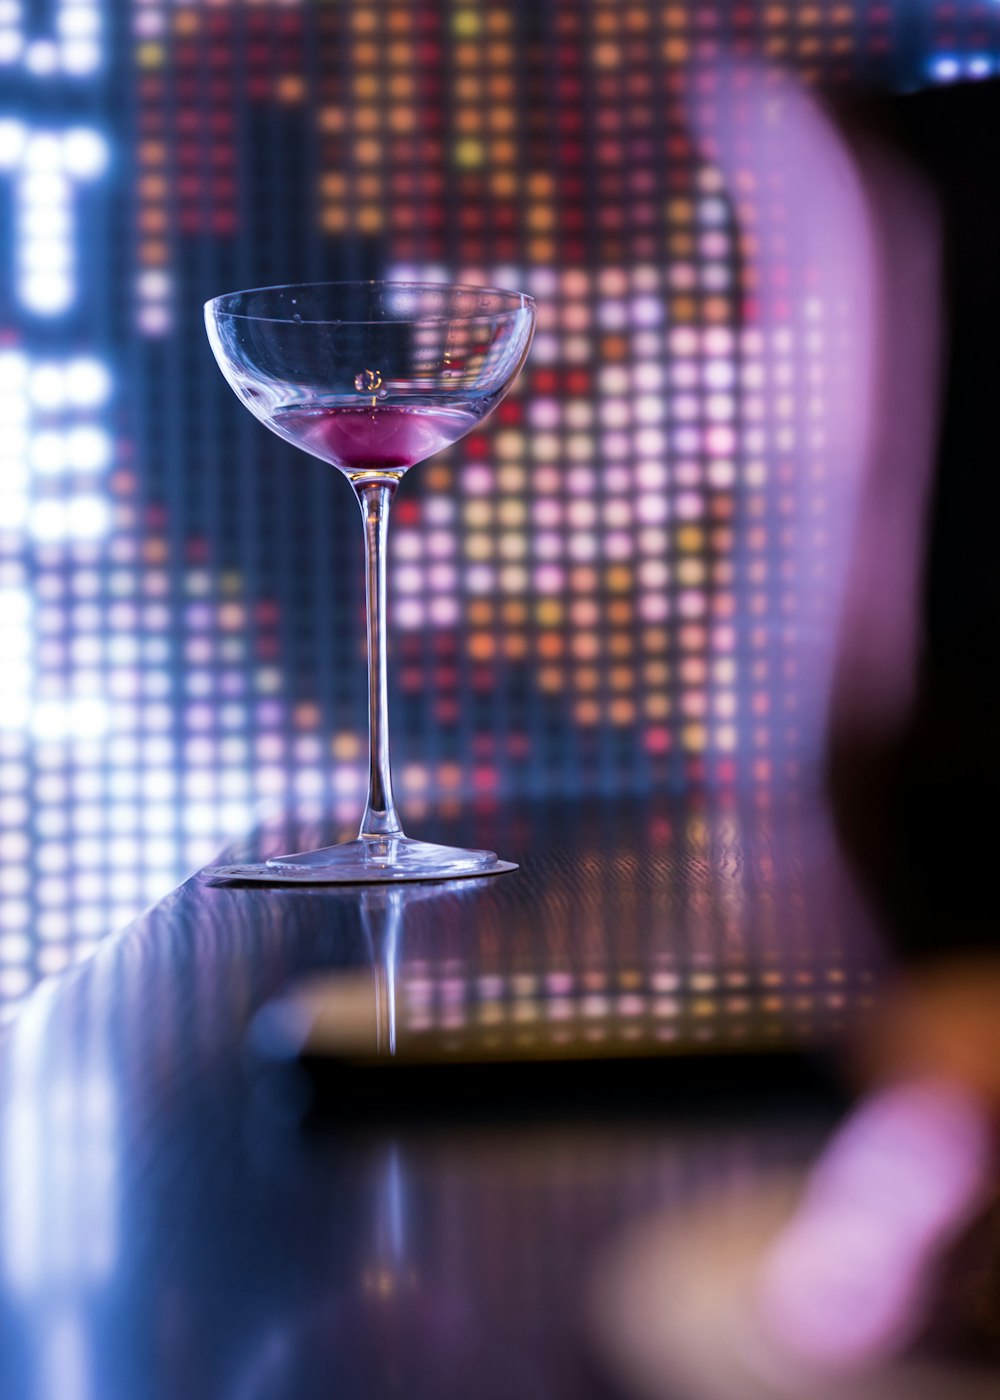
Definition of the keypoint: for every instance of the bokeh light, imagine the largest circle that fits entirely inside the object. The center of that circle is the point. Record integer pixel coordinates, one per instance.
(594, 591)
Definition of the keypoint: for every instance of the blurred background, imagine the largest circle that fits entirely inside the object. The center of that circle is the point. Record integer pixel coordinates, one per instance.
(597, 591)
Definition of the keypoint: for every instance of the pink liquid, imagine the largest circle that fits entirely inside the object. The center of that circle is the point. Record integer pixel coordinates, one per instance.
(384, 438)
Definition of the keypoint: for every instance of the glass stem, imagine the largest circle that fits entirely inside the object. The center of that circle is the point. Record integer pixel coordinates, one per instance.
(381, 817)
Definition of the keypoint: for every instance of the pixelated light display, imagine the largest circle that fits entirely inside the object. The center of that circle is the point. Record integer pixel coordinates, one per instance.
(45, 166)
(600, 589)
(71, 46)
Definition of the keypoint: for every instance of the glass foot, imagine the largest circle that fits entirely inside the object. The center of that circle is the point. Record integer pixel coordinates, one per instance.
(368, 861)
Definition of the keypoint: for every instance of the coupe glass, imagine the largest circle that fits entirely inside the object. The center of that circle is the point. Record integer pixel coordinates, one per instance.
(372, 377)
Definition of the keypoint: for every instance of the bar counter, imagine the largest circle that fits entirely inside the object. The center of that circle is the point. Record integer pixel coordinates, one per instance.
(176, 1221)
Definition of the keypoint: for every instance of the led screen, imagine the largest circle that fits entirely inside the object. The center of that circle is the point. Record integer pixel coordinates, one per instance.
(601, 589)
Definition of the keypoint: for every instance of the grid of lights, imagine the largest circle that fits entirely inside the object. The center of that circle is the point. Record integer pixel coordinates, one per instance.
(558, 1009)
(746, 960)
(964, 43)
(44, 167)
(594, 590)
(73, 47)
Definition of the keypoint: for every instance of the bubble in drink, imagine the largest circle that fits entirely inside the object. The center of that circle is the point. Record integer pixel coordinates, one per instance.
(368, 380)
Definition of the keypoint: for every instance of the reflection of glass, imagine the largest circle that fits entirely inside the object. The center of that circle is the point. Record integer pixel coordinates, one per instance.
(381, 915)
(372, 377)
(349, 1011)
(392, 1324)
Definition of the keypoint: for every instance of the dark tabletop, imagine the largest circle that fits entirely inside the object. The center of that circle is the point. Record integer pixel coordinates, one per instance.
(171, 1225)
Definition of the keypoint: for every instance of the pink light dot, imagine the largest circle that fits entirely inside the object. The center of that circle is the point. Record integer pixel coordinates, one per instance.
(651, 509)
(547, 513)
(651, 474)
(582, 546)
(545, 413)
(478, 480)
(441, 544)
(581, 481)
(690, 506)
(409, 613)
(691, 604)
(582, 512)
(684, 341)
(480, 578)
(720, 441)
(408, 544)
(409, 579)
(718, 341)
(650, 442)
(442, 578)
(443, 611)
(619, 414)
(548, 579)
(653, 608)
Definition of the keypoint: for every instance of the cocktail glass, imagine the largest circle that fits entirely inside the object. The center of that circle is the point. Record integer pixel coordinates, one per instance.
(372, 377)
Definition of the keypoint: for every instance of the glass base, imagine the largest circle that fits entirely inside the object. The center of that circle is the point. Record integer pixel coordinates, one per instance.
(368, 860)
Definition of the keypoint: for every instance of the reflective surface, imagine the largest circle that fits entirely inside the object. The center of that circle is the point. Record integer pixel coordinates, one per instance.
(169, 1227)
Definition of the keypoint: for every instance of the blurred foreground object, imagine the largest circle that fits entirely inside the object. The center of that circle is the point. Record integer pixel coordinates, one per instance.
(879, 1275)
(876, 1276)
(864, 1268)
(911, 788)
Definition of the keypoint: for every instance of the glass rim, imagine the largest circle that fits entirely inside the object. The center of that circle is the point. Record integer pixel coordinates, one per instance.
(521, 301)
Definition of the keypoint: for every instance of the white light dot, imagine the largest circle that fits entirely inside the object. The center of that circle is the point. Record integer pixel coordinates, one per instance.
(41, 58)
(154, 320)
(48, 221)
(88, 448)
(88, 383)
(945, 68)
(48, 453)
(44, 186)
(84, 152)
(48, 720)
(13, 371)
(12, 137)
(46, 293)
(80, 56)
(88, 517)
(45, 255)
(47, 385)
(43, 152)
(153, 284)
(79, 21)
(88, 718)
